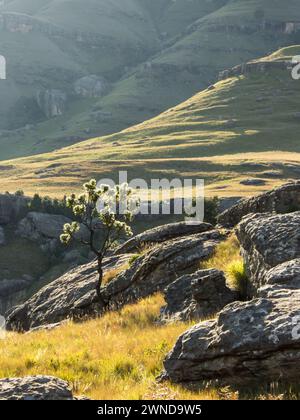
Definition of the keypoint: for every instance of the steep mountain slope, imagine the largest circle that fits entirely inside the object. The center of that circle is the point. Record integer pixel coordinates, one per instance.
(148, 55)
(245, 126)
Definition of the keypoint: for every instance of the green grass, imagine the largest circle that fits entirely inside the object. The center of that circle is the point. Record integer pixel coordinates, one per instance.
(227, 258)
(246, 127)
(155, 54)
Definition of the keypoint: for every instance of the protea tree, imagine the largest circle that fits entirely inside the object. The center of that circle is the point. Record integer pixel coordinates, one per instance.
(105, 214)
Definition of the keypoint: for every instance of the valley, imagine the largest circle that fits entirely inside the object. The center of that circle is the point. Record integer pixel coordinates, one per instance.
(230, 133)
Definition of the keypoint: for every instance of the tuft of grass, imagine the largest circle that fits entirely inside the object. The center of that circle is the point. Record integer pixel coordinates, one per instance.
(114, 272)
(228, 259)
(237, 277)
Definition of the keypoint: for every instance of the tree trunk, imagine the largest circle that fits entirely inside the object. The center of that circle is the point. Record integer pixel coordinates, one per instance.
(99, 283)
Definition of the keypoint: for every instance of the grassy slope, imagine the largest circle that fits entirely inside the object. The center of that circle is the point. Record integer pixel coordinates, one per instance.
(232, 132)
(115, 357)
(196, 57)
(193, 56)
(126, 36)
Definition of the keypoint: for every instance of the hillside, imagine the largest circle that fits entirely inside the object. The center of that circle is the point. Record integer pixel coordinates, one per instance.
(146, 55)
(243, 127)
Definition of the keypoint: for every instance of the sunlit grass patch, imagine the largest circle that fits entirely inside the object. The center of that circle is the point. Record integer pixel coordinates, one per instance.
(228, 259)
(114, 357)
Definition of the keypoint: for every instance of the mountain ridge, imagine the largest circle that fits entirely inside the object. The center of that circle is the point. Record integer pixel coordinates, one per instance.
(170, 52)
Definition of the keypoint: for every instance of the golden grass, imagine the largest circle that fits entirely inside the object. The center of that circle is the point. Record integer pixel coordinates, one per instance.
(114, 272)
(114, 357)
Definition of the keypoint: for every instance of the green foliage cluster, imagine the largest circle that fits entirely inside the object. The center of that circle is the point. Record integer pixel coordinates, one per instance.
(49, 205)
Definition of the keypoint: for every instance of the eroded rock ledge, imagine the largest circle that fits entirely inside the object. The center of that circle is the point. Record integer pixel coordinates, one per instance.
(73, 295)
(252, 341)
(284, 199)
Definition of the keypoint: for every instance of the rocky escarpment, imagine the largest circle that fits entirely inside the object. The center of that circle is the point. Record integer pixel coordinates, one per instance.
(267, 241)
(163, 233)
(35, 388)
(256, 341)
(255, 67)
(197, 296)
(284, 199)
(74, 295)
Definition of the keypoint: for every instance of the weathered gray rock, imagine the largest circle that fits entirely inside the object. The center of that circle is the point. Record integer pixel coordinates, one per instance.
(41, 226)
(52, 102)
(35, 388)
(254, 341)
(154, 271)
(163, 233)
(286, 274)
(91, 86)
(73, 295)
(2, 236)
(284, 199)
(195, 296)
(268, 240)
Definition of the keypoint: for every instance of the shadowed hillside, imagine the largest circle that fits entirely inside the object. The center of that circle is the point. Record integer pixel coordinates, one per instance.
(113, 64)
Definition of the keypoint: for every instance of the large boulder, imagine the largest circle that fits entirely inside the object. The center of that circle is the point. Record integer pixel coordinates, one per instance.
(73, 295)
(197, 296)
(284, 199)
(253, 341)
(161, 234)
(91, 86)
(35, 388)
(43, 228)
(285, 275)
(268, 240)
(159, 267)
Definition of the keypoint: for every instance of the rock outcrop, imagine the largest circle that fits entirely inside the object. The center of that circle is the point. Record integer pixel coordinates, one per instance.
(267, 241)
(52, 102)
(255, 67)
(73, 295)
(197, 296)
(42, 228)
(161, 234)
(253, 341)
(91, 86)
(35, 388)
(285, 275)
(284, 199)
